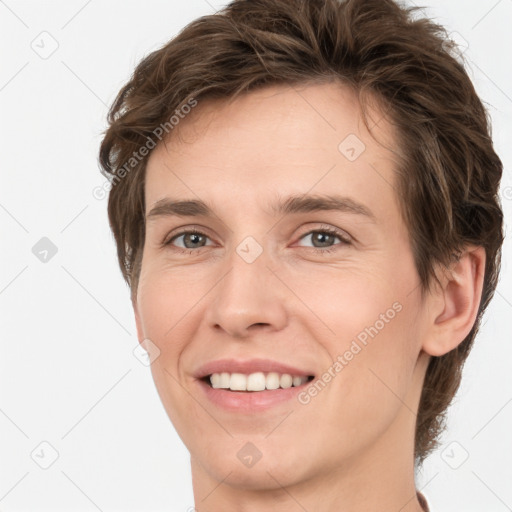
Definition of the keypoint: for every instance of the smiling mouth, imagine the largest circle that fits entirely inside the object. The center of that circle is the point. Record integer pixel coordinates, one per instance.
(254, 382)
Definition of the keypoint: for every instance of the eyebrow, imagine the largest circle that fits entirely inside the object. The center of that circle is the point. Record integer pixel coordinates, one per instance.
(284, 206)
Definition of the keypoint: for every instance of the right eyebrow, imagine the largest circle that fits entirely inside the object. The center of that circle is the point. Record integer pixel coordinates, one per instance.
(185, 208)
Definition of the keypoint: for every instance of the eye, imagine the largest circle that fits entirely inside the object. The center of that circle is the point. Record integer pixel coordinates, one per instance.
(325, 237)
(322, 238)
(191, 239)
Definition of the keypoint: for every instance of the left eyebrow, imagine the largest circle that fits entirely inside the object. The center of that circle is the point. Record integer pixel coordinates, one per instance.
(310, 203)
(291, 205)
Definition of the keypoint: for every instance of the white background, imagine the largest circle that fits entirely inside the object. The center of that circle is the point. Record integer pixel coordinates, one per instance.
(68, 376)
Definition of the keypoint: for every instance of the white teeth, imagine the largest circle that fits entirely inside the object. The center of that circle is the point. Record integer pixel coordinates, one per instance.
(272, 380)
(215, 380)
(238, 382)
(296, 381)
(286, 381)
(224, 380)
(257, 381)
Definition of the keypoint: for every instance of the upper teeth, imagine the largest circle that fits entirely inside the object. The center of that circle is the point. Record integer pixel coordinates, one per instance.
(255, 381)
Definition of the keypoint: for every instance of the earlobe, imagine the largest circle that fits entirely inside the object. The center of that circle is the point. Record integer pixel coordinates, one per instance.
(456, 302)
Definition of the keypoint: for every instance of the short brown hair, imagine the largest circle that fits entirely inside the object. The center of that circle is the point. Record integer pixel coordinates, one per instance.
(449, 173)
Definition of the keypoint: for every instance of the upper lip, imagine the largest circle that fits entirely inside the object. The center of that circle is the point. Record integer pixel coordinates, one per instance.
(248, 366)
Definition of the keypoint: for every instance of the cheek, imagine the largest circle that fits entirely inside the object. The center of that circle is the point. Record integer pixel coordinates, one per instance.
(347, 301)
(372, 335)
(164, 309)
(378, 380)
(166, 299)
(166, 305)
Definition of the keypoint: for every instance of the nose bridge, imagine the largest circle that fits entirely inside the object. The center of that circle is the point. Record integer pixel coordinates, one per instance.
(248, 293)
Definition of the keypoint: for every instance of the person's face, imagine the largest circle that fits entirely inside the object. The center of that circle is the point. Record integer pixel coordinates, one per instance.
(301, 302)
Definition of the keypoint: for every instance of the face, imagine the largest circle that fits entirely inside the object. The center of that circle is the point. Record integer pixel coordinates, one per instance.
(250, 281)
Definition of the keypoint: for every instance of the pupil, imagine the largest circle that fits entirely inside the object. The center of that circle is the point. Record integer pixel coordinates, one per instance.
(320, 236)
(194, 237)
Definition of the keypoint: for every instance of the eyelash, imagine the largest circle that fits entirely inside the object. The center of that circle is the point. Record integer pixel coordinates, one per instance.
(326, 250)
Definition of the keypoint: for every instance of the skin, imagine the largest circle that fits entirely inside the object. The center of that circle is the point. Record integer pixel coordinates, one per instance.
(350, 448)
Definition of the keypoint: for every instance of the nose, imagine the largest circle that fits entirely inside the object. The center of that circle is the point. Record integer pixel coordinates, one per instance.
(247, 298)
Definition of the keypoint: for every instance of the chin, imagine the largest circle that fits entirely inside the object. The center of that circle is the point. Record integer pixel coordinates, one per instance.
(274, 467)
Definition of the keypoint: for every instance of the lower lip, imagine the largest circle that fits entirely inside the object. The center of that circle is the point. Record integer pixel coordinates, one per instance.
(243, 401)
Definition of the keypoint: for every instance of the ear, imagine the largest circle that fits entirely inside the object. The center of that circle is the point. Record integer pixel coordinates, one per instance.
(453, 306)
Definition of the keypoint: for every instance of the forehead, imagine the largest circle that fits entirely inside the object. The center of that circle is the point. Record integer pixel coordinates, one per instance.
(273, 141)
